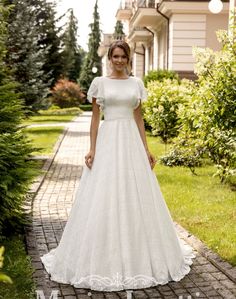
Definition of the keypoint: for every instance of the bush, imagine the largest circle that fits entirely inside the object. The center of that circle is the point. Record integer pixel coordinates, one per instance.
(208, 120)
(16, 169)
(64, 111)
(161, 109)
(66, 94)
(184, 154)
(86, 107)
(3, 277)
(160, 75)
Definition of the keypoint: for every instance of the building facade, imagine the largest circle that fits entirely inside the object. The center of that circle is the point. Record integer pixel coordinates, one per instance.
(162, 34)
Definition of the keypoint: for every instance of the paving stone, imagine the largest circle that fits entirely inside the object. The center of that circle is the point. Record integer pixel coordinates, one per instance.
(110, 296)
(226, 293)
(139, 294)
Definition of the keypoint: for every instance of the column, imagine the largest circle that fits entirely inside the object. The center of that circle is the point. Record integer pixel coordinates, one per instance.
(146, 63)
(155, 51)
(135, 64)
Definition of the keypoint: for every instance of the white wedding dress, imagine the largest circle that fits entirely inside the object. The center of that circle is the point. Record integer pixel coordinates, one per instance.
(119, 234)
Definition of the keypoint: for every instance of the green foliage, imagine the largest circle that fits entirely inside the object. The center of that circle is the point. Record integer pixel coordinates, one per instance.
(160, 75)
(183, 155)
(119, 30)
(208, 119)
(86, 107)
(54, 110)
(49, 39)
(16, 172)
(161, 109)
(15, 166)
(66, 94)
(3, 277)
(25, 57)
(92, 58)
(17, 265)
(72, 54)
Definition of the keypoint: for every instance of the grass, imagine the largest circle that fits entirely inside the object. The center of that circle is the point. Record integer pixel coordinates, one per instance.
(17, 265)
(45, 119)
(200, 203)
(44, 138)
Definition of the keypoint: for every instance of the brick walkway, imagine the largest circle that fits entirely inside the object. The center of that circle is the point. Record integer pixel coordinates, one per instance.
(51, 207)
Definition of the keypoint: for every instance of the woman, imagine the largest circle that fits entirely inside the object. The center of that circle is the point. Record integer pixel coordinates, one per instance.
(119, 233)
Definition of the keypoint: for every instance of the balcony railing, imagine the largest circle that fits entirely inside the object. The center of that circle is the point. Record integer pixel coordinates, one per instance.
(127, 4)
(145, 3)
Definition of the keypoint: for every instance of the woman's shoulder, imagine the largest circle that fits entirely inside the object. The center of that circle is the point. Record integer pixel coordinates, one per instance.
(97, 79)
(136, 79)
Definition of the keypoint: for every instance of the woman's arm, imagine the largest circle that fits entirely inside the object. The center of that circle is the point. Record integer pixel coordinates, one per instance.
(93, 133)
(140, 123)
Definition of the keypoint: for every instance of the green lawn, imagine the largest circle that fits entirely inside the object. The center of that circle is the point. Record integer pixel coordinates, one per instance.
(200, 203)
(18, 266)
(46, 119)
(44, 138)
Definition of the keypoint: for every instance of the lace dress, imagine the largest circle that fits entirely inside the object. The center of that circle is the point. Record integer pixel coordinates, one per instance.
(119, 234)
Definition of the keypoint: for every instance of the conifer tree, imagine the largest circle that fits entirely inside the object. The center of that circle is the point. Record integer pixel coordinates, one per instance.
(25, 56)
(119, 30)
(92, 66)
(15, 166)
(49, 39)
(72, 54)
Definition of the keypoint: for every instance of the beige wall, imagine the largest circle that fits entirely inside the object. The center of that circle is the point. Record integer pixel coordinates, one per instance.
(213, 22)
(186, 31)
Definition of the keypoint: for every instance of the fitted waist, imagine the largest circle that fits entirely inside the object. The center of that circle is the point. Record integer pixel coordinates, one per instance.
(117, 118)
(118, 114)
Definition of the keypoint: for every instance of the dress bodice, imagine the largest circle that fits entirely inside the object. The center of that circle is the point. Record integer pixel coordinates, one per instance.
(117, 97)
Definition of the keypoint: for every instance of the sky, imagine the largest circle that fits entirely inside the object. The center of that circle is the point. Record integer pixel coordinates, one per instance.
(83, 10)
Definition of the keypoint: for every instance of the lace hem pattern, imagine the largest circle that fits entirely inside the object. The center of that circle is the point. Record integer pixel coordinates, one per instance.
(117, 282)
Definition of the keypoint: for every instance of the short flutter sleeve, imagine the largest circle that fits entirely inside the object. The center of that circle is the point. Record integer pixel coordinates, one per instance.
(96, 90)
(141, 92)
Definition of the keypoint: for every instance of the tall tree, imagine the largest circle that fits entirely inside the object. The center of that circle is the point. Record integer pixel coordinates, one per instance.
(15, 165)
(119, 30)
(25, 56)
(49, 39)
(92, 66)
(72, 54)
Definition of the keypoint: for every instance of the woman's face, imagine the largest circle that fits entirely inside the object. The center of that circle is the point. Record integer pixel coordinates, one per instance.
(119, 60)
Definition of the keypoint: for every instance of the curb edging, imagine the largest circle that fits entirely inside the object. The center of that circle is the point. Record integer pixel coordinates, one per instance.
(211, 256)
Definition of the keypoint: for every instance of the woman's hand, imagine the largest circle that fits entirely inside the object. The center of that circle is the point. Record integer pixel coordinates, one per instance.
(89, 158)
(152, 159)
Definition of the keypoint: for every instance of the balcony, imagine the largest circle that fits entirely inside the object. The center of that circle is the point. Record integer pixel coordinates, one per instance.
(145, 3)
(145, 17)
(139, 34)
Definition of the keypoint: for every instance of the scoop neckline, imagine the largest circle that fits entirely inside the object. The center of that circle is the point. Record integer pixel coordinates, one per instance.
(117, 79)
